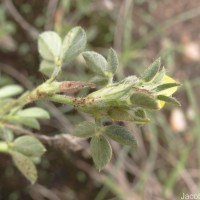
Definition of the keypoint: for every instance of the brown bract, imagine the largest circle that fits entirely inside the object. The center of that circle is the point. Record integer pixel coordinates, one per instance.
(74, 86)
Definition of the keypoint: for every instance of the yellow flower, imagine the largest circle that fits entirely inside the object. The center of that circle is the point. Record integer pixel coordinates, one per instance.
(167, 92)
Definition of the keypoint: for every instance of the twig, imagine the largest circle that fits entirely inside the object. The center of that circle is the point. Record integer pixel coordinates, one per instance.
(61, 141)
(51, 9)
(32, 31)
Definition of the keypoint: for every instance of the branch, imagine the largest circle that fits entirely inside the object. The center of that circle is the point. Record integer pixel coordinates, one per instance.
(61, 141)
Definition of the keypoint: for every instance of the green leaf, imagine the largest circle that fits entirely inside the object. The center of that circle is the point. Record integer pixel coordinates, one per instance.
(6, 135)
(151, 71)
(124, 114)
(49, 45)
(112, 61)
(25, 166)
(120, 134)
(99, 80)
(159, 76)
(10, 90)
(101, 151)
(74, 43)
(166, 86)
(46, 68)
(140, 113)
(168, 100)
(34, 112)
(85, 129)
(96, 62)
(29, 122)
(29, 146)
(144, 100)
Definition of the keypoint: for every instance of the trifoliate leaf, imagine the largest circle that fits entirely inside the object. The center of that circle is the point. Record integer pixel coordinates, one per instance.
(120, 134)
(49, 45)
(85, 129)
(112, 61)
(46, 68)
(151, 71)
(168, 99)
(145, 101)
(10, 90)
(96, 62)
(34, 112)
(25, 166)
(74, 43)
(101, 151)
(29, 146)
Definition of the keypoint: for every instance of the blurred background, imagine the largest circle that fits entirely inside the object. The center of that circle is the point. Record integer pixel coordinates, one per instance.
(166, 163)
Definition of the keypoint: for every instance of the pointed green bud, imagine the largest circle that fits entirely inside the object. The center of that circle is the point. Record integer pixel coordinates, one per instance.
(120, 134)
(101, 151)
(168, 100)
(151, 71)
(145, 101)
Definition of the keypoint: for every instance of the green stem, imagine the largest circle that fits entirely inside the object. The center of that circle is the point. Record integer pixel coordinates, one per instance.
(60, 99)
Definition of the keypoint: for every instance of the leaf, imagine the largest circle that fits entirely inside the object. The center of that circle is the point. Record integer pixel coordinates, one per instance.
(85, 129)
(151, 71)
(6, 134)
(101, 151)
(140, 116)
(99, 80)
(112, 61)
(46, 68)
(74, 43)
(166, 86)
(34, 112)
(159, 77)
(96, 62)
(120, 134)
(124, 114)
(168, 99)
(10, 90)
(140, 113)
(25, 166)
(144, 100)
(29, 146)
(29, 122)
(49, 45)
